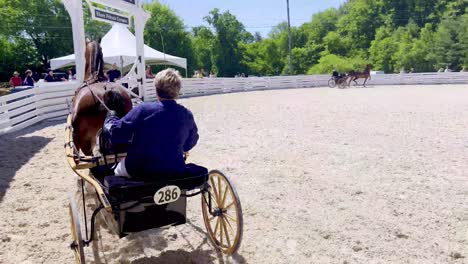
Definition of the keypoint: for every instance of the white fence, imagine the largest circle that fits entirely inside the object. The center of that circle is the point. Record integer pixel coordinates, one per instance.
(23, 109)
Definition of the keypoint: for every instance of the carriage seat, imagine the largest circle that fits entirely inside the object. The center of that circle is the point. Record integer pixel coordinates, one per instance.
(125, 189)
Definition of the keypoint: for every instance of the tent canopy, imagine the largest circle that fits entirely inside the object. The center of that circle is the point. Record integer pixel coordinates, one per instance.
(119, 46)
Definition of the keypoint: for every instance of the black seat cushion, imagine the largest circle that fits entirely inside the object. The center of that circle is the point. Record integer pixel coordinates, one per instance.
(123, 189)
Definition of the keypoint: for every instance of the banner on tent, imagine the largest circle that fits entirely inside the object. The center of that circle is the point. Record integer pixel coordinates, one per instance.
(107, 16)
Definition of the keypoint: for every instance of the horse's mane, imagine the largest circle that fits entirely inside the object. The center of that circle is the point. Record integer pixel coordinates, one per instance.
(94, 69)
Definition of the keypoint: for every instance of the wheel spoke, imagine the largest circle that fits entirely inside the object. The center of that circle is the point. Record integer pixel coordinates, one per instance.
(230, 217)
(229, 224)
(216, 226)
(224, 196)
(219, 190)
(226, 232)
(221, 231)
(213, 198)
(215, 190)
(227, 207)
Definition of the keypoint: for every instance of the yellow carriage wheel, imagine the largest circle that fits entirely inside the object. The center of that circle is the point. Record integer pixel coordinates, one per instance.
(77, 244)
(225, 222)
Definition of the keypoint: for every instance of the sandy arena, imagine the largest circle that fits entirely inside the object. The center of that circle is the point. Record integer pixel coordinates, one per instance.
(376, 175)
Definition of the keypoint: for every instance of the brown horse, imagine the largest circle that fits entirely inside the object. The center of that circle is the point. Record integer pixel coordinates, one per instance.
(353, 76)
(88, 112)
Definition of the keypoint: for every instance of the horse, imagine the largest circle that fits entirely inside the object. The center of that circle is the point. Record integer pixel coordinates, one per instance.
(88, 110)
(353, 76)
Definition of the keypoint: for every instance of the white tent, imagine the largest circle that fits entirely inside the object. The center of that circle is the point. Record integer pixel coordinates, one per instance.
(119, 46)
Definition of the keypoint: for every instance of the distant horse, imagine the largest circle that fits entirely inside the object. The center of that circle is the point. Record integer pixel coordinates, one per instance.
(87, 110)
(353, 76)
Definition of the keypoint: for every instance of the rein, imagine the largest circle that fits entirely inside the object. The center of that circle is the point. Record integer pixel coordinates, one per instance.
(96, 98)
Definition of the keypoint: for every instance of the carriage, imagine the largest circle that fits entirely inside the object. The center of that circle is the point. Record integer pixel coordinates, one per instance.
(339, 79)
(130, 206)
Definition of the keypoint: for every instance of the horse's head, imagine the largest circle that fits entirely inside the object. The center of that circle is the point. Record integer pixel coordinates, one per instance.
(369, 67)
(114, 100)
(94, 69)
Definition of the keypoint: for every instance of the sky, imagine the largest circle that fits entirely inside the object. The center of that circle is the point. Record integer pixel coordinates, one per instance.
(256, 15)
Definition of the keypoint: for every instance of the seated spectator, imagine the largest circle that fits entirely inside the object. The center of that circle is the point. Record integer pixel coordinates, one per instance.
(50, 76)
(28, 80)
(70, 75)
(149, 72)
(113, 74)
(15, 80)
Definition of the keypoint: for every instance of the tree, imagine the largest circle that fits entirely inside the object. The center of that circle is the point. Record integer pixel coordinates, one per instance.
(331, 62)
(226, 50)
(44, 23)
(382, 50)
(446, 45)
(165, 32)
(203, 47)
(262, 58)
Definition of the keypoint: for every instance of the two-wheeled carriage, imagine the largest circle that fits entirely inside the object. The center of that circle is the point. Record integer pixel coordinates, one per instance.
(339, 80)
(135, 205)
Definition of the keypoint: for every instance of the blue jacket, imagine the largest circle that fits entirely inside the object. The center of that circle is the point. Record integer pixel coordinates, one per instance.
(159, 133)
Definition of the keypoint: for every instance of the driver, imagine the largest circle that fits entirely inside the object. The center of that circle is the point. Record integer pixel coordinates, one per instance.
(159, 133)
(335, 74)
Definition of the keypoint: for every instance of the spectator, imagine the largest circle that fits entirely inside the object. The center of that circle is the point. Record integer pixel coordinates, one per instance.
(50, 76)
(15, 80)
(203, 73)
(28, 80)
(70, 75)
(149, 72)
(113, 74)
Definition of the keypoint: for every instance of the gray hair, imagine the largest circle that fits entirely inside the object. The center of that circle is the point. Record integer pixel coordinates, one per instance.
(168, 83)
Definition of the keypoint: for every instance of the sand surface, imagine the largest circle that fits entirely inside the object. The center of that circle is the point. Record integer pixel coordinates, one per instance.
(377, 175)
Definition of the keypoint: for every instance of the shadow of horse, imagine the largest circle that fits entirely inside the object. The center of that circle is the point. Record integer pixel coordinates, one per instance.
(16, 150)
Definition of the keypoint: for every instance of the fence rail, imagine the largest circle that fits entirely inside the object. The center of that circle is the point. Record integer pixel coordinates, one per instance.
(25, 108)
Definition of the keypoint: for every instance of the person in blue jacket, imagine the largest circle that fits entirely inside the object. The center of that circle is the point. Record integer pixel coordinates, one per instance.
(159, 132)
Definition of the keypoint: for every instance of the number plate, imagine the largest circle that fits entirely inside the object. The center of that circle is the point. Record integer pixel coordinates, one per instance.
(168, 194)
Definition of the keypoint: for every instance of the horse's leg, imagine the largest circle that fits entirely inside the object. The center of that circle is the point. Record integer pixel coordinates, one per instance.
(354, 80)
(364, 84)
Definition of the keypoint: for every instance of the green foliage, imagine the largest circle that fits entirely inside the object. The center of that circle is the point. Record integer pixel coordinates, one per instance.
(44, 23)
(230, 32)
(202, 41)
(165, 32)
(262, 58)
(330, 62)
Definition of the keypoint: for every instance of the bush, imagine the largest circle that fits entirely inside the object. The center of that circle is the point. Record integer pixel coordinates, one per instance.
(341, 64)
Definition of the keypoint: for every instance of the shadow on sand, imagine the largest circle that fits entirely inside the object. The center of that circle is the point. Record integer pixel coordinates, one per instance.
(154, 240)
(16, 150)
